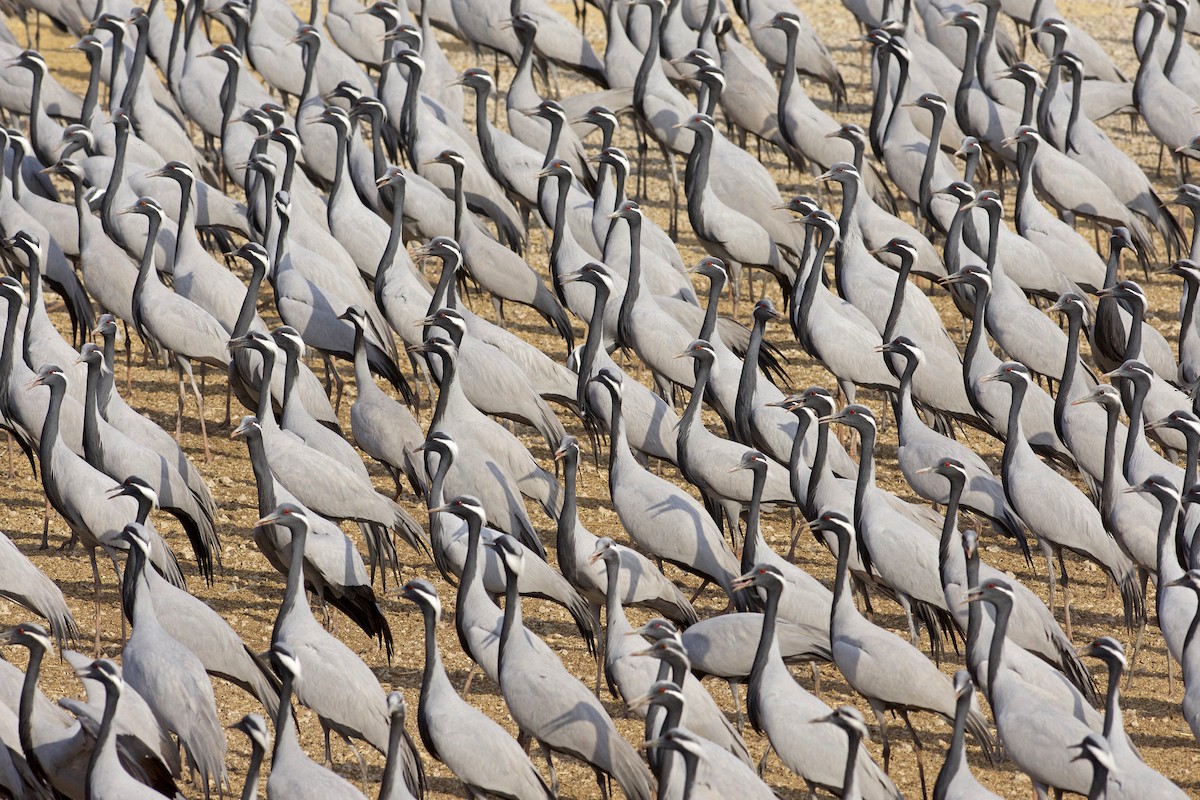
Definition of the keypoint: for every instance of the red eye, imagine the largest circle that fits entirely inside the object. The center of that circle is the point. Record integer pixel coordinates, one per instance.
(762, 572)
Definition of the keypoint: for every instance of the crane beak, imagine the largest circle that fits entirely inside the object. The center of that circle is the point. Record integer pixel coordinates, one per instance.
(972, 595)
(571, 277)
(1156, 424)
(991, 376)
(644, 700)
(650, 744)
(116, 491)
(269, 519)
(926, 470)
(439, 509)
(829, 419)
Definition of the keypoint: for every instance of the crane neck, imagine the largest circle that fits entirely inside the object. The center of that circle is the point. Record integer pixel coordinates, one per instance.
(969, 78)
(591, 345)
(747, 382)
(796, 464)
(92, 93)
(1176, 40)
(253, 770)
(293, 589)
(708, 327)
(618, 449)
(690, 421)
(105, 747)
(469, 582)
(116, 61)
(7, 351)
(1013, 438)
(633, 285)
(948, 537)
(391, 778)
(893, 319)
(246, 313)
(559, 231)
(106, 375)
(460, 203)
(36, 305)
(901, 85)
(337, 189)
(116, 179)
(566, 542)
(820, 461)
(975, 342)
(956, 753)
(93, 449)
(1063, 398)
(695, 175)
(754, 539)
(1108, 488)
(446, 387)
(866, 474)
(879, 104)
(843, 602)
(1113, 722)
(309, 50)
(392, 248)
(291, 368)
(974, 616)
(134, 79)
(848, 224)
(483, 129)
(1025, 154)
(262, 473)
(29, 688)
(766, 646)
(1137, 433)
(285, 733)
(932, 151)
(649, 59)
(803, 291)
(266, 409)
(996, 651)
(616, 624)
(362, 368)
(850, 790)
(512, 616)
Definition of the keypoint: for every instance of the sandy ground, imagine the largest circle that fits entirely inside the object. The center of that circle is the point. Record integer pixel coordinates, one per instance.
(247, 590)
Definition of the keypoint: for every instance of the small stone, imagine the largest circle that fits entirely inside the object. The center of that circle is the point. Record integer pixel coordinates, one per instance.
(991, 548)
(225, 480)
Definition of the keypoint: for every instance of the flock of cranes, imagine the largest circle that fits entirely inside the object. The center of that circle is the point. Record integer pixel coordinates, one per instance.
(334, 158)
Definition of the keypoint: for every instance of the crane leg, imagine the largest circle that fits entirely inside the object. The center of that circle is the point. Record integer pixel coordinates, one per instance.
(762, 762)
(362, 762)
(883, 733)
(185, 368)
(96, 590)
(1066, 586)
(919, 751)
(602, 782)
(1048, 551)
(470, 676)
(1144, 574)
(550, 767)
(601, 646)
(46, 527)
(739, 717)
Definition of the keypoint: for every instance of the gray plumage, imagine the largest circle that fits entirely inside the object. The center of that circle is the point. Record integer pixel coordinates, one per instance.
(172, 679)
(552, 706)
(477, 750)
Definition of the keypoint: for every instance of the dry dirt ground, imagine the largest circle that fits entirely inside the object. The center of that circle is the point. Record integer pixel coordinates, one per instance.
(247, 590)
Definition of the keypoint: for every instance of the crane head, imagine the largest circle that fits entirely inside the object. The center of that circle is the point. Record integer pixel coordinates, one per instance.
(255, 728)
(568, 448)
(49, 375)
(137, 535)
(760, 575)
(1181, 420)
(657, 628)
(963, 686)
(699, 350)
(289, 515)
(1108, 650)
(607, 550)
(512, 555)
(994, 591)
(397, 707)
(849, 719)
(949, 468)
(1132, 370)
(663, 692)
(1093, 748)
(107, 673)
(601, 117)
(855, 415)
(751, 460)
(392, 176)
(27, 634)
(1011, 372)
(285, 660)
(247, 426)
(424, 594)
